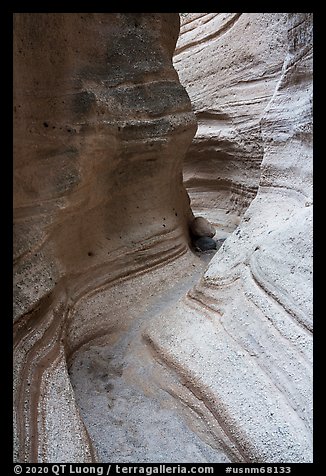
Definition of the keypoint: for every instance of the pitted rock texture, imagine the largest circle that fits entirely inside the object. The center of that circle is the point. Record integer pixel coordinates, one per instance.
(101, 125)
(241, 343)
(230, 64)
(119, 354)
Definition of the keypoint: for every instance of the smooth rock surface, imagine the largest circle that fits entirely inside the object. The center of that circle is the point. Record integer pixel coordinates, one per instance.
(230, 64)
(127, 413)
(101, 125)
(241, 339)
(115, 319)
(202, 227)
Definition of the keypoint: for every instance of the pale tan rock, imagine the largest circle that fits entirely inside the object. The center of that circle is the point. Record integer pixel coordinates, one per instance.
(230, 64)
(202, 227)
(242, 337)
(101, 216)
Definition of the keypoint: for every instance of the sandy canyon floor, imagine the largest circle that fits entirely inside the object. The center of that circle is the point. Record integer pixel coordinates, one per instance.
(129, 417)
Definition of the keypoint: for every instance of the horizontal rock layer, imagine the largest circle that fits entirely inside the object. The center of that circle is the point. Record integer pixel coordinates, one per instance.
(230, 64)
(242, 337)
(101, 125)
(101, 221)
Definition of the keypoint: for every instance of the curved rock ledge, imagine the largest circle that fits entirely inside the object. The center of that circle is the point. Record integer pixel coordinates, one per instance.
(239, 58)
(126, 346)
(101, 127)
(242, 337)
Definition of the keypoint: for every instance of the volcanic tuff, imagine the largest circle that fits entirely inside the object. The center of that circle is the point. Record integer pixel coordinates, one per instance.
(125, 346)
(243, 335)
(98, 195)
(230, 64)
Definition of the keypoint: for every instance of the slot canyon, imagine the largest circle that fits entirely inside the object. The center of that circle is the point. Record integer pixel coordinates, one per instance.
(131, 342)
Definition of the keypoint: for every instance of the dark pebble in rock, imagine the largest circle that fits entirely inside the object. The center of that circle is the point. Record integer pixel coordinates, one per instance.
(205, 243)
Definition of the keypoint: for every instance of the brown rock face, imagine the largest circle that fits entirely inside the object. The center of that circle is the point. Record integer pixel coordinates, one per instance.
(101, 125)
(202, 227)
(127, 346)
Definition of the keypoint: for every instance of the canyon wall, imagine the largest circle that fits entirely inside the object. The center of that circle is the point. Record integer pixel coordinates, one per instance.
(240, 342)
(103, 272)
(101, 125)
(230, 64)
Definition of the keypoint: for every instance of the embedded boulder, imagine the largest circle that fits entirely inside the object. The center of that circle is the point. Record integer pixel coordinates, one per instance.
(201, 227)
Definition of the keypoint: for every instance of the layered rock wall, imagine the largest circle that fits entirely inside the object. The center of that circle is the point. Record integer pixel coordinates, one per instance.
(242, 337)
(230, 64)
(101, 124)
(101, 216)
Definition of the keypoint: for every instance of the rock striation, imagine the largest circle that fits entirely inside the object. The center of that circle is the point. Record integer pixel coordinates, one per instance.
(241, 345)
(101, 125)
(126, 346)
(230, 64)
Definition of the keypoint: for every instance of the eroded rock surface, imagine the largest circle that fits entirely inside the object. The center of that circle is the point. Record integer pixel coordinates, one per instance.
(230, 64)
(106, 329)
(242, 337)
(101, 125)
